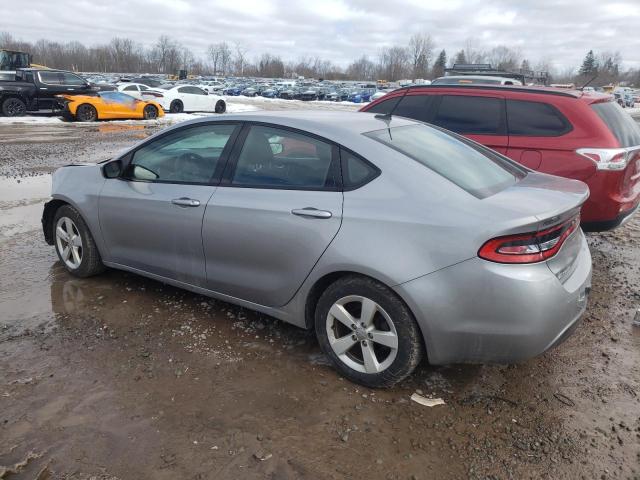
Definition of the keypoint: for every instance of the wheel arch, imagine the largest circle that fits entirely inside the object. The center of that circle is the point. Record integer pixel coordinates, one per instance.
(49, 213)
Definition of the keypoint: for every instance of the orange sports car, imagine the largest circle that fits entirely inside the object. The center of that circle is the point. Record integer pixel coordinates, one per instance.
(108, 106)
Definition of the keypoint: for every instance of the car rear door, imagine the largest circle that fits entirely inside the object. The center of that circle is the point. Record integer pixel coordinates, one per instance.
(534, 129)
(151, 217)
(277, 209)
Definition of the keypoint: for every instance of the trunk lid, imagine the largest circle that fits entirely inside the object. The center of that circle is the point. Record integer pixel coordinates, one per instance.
(542, 203)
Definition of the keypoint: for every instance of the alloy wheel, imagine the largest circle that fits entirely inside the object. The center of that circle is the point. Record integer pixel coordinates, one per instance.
(362, 334)
(14, 107)
(69, 242)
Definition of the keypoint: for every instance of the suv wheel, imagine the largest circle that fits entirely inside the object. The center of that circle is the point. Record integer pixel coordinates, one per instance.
(13, 107)
(368, 333)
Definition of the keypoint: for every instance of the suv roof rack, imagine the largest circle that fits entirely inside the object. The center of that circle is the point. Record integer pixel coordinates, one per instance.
(514, 88)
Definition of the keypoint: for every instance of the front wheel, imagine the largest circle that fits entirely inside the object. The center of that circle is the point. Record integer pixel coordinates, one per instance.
(368, 332)
(13, 107)
(221, 106)
(75, 246)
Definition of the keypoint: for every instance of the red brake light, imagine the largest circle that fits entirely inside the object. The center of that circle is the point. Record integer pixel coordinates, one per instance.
(529, 247)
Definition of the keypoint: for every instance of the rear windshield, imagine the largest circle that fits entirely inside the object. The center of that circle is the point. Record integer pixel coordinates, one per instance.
(470, 166)
(625, 129)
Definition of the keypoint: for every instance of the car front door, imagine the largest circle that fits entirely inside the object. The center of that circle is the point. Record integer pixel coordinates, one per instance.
(481, 118)
(151, 217)
(277, 209)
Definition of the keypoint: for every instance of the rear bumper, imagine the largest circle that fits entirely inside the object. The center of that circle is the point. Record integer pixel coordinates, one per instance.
(478, 311)
(603, 225)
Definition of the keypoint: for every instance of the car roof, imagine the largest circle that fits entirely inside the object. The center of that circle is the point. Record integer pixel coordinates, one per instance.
(590, 97)
(337, 126)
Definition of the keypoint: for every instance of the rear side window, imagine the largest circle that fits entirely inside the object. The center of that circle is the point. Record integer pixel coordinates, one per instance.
(356, 171)
(51, 78)
(535, 119)
(625, 129)
(386, 106)
(280, 158)
(473, 169)
(418, 107)
(469, 115)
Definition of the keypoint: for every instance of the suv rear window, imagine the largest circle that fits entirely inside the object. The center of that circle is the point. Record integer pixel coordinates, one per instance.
(468, 115)
(625, 129)
(468, 165)
(535, 119)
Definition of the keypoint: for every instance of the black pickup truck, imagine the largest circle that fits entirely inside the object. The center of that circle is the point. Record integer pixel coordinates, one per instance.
(35, 89)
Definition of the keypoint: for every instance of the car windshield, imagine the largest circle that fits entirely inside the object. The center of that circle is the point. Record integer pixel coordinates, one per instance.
(470, 166)
(625, 129)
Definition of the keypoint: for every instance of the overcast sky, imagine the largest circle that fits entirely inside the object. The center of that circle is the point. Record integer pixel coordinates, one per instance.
(560, 31)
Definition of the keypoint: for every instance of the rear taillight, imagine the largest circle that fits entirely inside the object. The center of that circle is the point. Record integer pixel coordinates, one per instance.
(529, 247)
(606, 158)
(153, 94)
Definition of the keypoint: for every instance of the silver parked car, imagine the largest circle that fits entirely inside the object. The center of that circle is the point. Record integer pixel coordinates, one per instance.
(391, 238)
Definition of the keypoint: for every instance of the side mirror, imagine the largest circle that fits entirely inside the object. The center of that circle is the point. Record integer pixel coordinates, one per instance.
(112, 169)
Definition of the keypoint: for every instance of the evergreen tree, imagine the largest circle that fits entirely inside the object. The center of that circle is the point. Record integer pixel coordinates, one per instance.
(589, 64)
(461, 58)
(440, 65)
(525, 66)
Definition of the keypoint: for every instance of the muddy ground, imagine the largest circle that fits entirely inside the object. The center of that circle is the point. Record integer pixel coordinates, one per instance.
(120, 377)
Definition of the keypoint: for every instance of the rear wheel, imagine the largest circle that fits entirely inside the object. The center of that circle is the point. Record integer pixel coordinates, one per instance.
(176, 106)
(86, 113)
(75, 246)
(150, 112)
(13, 107)
(368, 332)
(221, 106)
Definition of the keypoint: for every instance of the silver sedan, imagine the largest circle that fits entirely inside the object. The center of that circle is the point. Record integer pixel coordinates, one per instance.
(392, 239)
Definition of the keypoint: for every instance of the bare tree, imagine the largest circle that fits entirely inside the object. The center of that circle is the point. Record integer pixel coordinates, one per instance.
(420, 51)
(240, 56)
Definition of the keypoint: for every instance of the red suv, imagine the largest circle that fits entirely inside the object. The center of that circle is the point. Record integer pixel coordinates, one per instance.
(585, 136)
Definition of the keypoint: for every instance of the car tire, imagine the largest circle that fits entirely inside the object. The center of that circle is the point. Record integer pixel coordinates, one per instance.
(150, 112)
(86, 113)
(74, 243)
(384, 365)
(221, 106)
(176, 107)
(13, 107)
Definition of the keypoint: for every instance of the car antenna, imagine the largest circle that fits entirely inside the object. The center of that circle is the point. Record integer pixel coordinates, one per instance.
(587, 84)
(386, 118)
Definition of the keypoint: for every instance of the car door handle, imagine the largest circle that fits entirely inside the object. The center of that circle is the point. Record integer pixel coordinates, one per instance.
(311, 212)
(186, 202)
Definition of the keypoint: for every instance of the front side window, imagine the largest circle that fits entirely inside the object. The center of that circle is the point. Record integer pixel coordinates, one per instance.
(475, 169)
(189, 155)
(535, 119)
(385, 106)
(471, 115)
(418, 107)
(71, 79)
(273, 157)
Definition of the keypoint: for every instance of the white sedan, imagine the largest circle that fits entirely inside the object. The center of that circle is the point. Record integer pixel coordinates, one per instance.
(136, 90)
(186, 98)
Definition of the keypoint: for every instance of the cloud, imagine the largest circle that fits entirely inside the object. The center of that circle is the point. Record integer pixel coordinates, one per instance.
(342, 30)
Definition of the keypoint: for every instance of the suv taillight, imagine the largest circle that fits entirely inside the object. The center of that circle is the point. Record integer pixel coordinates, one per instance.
(529, 247)
(606, 158)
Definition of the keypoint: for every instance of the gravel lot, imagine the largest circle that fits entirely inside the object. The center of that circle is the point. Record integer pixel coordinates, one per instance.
(120, 377)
